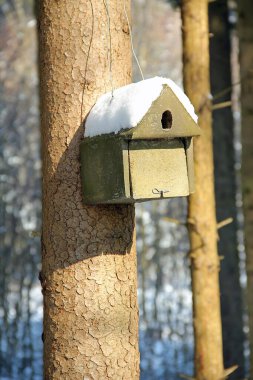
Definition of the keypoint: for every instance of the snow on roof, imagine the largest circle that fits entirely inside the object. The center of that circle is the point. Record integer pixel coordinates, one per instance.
(129, 105)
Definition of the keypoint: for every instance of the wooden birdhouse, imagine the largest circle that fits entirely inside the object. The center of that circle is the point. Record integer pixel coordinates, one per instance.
(138, 144)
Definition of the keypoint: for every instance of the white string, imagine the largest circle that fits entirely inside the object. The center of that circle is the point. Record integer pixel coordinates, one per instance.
(110, 43)
(131, 38)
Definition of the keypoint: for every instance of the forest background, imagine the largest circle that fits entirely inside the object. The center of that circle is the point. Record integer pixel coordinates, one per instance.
(164, 284)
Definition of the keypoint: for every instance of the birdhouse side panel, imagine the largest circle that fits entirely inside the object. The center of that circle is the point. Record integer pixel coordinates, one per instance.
(105, 170)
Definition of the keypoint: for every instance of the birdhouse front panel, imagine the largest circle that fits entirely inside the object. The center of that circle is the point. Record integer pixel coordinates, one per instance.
(158, 169)
(166, 118)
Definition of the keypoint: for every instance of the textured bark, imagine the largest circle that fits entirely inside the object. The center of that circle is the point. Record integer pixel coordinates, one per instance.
(205, 263)
(246, 62)
(225, 188)
(88, 253)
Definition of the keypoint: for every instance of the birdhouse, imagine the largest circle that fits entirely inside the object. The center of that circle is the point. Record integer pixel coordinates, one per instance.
(138, 144)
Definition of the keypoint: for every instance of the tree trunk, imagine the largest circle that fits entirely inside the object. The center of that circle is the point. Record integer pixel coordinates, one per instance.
(246, 62)
(88, 253)
(225, 188)
(205, 263)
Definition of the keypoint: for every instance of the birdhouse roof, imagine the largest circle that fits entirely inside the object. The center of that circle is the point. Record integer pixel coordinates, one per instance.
(133, 107)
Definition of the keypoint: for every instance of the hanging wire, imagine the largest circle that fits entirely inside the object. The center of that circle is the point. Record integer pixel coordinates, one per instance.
(87, 57)
(131, 39)
(110, 43)
(110, 49)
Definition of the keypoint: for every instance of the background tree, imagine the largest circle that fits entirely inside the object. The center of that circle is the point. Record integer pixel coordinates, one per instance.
(225, 186)
(245, 10)
(88, 253)
(20, 295)
(205, 263)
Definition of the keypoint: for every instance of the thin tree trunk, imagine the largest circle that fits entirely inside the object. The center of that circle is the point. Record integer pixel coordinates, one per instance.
(143, 260)
(205, 263)
(246, 62)
(88, 253)
(225, 188)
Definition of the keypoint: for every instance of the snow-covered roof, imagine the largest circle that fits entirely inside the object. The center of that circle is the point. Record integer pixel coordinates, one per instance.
(129, 105)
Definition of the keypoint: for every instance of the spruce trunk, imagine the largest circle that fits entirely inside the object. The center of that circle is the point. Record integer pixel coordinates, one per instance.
(225, 188)
(205, 263)
(246, 67)
(88, 253)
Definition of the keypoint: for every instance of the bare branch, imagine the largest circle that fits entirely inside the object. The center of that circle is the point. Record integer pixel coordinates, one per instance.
(224, 223)
(221, 105)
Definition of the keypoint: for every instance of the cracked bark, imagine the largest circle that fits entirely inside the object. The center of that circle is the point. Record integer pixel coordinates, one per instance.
(88, 253)
(205, 262)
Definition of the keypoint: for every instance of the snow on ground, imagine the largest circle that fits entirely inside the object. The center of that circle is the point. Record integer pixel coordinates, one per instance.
(164, 358)
(128, 105)
(21, 329)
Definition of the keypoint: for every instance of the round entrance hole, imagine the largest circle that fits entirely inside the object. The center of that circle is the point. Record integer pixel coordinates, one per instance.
(166, 120)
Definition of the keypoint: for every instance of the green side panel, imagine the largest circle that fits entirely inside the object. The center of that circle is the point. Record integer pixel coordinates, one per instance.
(105, 170)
